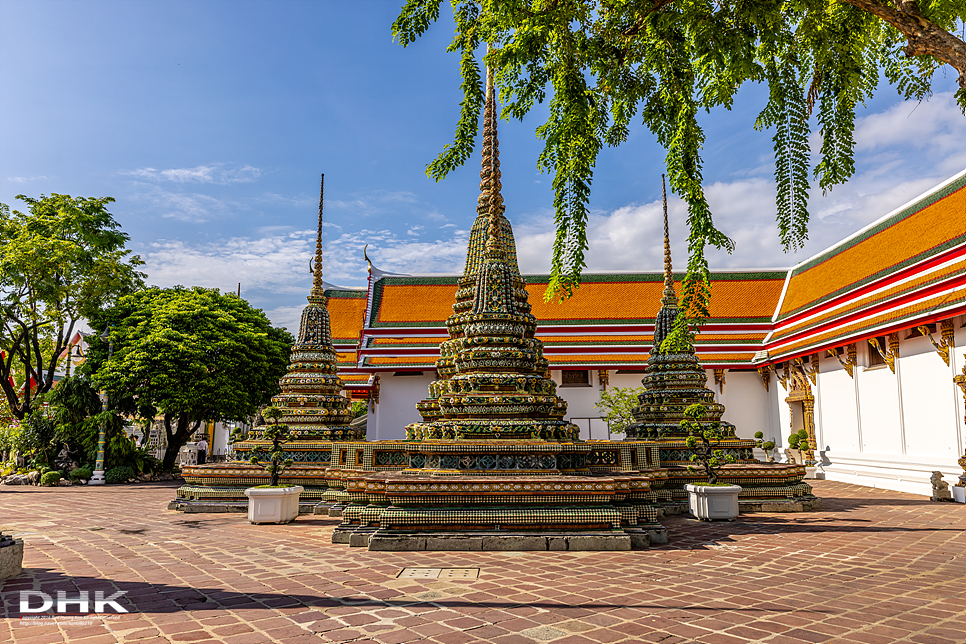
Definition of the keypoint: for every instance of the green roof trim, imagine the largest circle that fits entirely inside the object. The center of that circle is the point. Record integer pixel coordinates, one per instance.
(345, 294)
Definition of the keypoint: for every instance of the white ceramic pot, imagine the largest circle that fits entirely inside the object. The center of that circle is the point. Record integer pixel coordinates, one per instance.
(273, 504)
(712, 502)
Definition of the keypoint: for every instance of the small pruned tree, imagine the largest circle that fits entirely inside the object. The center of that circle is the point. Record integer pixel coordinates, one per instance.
(704, 439)
(617, 404)
(278, 434)
(767, 446)
(799, 440)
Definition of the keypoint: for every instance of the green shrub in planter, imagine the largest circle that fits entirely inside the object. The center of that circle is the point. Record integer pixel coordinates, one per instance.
(278, 434)
(120, 474)
(80, 474)
(704, 439)
(50, 479)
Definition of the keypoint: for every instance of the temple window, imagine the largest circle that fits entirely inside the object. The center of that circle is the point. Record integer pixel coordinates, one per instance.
(574, 378)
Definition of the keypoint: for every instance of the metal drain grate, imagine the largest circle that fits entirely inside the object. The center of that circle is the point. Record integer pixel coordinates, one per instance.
(439, 573)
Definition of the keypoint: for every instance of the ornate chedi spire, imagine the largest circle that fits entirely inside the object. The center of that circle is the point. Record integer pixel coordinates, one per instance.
(674, 378)
(669, 299)
(311, 390)
(492, 382)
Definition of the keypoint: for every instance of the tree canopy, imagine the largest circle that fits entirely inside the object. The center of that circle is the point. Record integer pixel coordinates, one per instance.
(59, 262)
(607, 63)
(188, 355)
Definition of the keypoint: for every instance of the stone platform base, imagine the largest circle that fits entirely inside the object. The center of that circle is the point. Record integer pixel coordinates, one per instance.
(748, 506)
(210, 506)
(469, 541)
(800, 504)
(11, 560)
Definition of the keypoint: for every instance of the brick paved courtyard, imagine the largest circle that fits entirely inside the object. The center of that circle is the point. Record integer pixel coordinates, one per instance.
(873, 566)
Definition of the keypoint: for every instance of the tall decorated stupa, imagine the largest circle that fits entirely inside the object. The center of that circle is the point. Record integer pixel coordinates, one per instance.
(317, 413)
(674, 380)
(493, 465)
(493, 379)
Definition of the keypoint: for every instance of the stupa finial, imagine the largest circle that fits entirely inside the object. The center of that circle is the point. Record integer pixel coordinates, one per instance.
(317, 288)
(491, 186)
(669, 297)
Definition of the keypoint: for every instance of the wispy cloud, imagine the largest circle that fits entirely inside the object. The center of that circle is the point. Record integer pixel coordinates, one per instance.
(25, 179)
(216, 173)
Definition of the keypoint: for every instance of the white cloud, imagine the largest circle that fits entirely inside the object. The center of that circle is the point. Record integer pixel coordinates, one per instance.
(25, 179)
(286, 316)
(217, 173)
(192, 207)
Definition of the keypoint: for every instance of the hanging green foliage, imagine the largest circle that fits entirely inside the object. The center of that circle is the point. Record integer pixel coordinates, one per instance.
(606, 63)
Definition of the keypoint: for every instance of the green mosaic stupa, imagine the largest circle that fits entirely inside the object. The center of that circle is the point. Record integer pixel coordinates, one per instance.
(493, 465)
(673, 381)
(493, 379)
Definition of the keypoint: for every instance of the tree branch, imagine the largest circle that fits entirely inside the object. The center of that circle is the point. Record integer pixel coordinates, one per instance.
(925, 38)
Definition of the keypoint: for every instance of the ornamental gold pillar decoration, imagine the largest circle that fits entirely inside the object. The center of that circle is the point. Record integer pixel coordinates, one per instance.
(719, 379)
(945, 343)
(765, 374)
(603, 377)
(849, 363)
(801, 392)
(890, 354)
(961, 381)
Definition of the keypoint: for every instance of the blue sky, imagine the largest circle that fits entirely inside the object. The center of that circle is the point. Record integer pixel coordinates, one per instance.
(210, 122)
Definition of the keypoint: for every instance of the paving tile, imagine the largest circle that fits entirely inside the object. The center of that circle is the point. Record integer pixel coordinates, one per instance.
(872, 566)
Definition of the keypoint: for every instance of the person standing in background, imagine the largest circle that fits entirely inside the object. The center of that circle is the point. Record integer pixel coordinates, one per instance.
(202, 447)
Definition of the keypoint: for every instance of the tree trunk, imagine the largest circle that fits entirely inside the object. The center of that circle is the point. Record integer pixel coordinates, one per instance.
(924, 37)
(176, 439)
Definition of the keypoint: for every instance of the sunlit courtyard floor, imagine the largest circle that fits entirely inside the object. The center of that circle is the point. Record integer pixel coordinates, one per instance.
(873, 566)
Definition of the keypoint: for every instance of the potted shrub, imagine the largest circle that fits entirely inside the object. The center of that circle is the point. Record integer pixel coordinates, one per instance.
(273, 503)
(711, 500)
(798, 446)
(767, 446)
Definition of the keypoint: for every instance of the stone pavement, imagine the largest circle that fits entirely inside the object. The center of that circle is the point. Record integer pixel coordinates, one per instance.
(873, 566)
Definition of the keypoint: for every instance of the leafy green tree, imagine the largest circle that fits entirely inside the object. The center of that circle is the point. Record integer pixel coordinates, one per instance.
(59, 262)
(189, 355)
(617, 404)
(606, 63)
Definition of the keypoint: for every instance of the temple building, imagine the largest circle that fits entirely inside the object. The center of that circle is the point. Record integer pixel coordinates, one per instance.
(862, 346)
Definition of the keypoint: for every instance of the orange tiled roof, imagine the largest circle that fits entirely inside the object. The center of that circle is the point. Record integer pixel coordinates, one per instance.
(601, 299)
(880, 296)
(347, 310)
(901, 318)
(935, 222)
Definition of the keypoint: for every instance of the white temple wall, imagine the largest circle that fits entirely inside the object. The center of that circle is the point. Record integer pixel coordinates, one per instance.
(879, 410)
(398, 396)
(746, 404)
(836, 411)
(893, 430)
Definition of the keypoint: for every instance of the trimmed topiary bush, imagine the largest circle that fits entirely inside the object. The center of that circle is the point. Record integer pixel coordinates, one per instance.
(50, 479)
(120, 474)
(80, 474)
